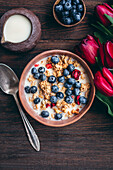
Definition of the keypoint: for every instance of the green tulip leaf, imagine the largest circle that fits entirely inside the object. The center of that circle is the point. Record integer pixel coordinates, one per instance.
(101, 37)
(109, 18)
(111, 6)
(108, 101)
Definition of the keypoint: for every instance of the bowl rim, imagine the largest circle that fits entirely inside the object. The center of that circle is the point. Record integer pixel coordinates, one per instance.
(32, 113)
(72, 25)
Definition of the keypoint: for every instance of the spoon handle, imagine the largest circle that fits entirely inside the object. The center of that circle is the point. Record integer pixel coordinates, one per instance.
(33, 138)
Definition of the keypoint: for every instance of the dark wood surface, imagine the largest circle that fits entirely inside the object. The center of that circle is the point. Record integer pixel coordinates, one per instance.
(86, 144)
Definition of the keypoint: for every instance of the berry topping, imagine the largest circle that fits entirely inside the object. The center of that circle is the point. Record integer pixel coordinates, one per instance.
(27, 89)
(43, 77)
(83, 100)
(55, 59)
(44, 113)
(41, 70)
(33, 70)
(36, 75)
(33, 89)
(71, 67)
(77, 17)
(66, 72)
(77, 84)
(77, 101)
(36, 100)
(68, 99)
(59, 95)
(48, 105)
(53, 99)
(49, 66)
(66, 85)
(53, 105)
(71, 81)
(36, 65)
(58, 116)
(76, 74)
(54, 89)
(65, 13)
(52, 79)
(68, 92)
(61, 79)
(76, 91)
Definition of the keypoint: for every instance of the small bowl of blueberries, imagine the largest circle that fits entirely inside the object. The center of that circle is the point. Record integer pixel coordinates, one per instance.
(69, 13)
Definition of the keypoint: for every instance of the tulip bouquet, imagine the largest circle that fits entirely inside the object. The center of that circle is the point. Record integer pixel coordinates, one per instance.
(97, 50)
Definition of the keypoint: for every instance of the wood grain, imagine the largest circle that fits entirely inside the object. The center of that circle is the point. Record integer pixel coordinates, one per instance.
(84, 145)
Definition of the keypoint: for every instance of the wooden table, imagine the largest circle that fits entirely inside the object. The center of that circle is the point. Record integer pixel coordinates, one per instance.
(86, 144)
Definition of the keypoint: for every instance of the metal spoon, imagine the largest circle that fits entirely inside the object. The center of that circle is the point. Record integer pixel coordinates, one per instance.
(9, 84)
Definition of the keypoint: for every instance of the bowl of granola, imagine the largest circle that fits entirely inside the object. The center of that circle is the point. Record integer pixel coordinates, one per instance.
(56, 88)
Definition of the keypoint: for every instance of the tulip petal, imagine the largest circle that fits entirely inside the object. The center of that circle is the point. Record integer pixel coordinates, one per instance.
(109, 54)
(102, 85)
(107, 75)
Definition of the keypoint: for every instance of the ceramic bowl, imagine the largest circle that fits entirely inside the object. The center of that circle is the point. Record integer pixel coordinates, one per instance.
(72, 25)
(32, 113)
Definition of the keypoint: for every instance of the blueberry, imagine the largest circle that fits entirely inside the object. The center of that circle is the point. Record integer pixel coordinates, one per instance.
(55, 59)
(53, 99)
(52, 79)
(54, 89)
(41, 70)
(62, 2)
(44, 113)
(68, 92)
(74, 6)
(71, 81)
(60, 95)
(67, 6)
(73, 12)
(76, 2)
(36, 75)
(33, 89)
(79, 7)
(66, 20)
(43, 77)
(83, 100)
(61, 79)
(68, 99)
(65, 13)
(66, 72)
(71, 67)
(36, 100)
(58, 116)
(27, 89)
(77, 84)
(66, 85)
(77, 17)
(76, 91)
(58, 8)
(34, 70)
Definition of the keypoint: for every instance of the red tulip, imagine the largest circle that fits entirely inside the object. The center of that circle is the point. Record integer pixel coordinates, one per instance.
(100, 10)
(106, 54)
(88, 49)
(102, 83)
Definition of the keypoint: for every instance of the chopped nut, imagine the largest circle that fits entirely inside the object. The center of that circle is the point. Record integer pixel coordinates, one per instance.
(47, 73)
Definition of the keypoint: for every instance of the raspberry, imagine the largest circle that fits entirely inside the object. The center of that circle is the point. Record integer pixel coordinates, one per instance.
(47, 105)
(36, 65)
(77, 101)
(49, 66)
(76, 74)
(53, 104)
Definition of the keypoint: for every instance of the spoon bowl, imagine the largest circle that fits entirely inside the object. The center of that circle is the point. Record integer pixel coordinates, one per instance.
(8, 80)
